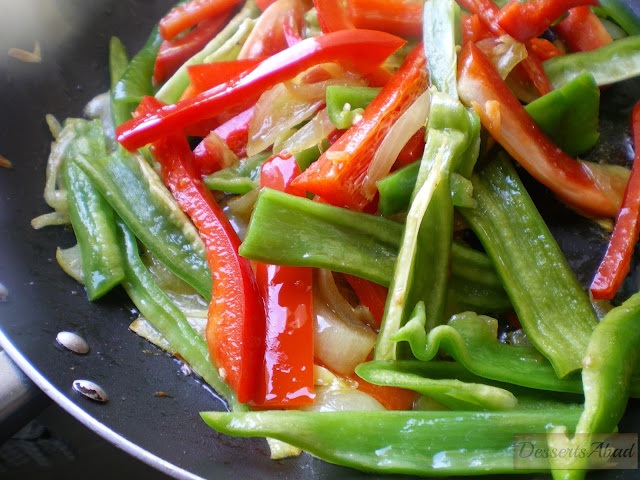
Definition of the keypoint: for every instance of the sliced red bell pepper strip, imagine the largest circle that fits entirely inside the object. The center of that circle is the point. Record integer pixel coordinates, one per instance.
(527, 20)
(544, 49)
(582, 30)
(589, 187)
(212, 154)
(371, 295)
(391, 398)
(399, 17)
(531, 67)
(332, 16)
(338, 175)
(173, 53)
(413, 150)
(204, 76)
(473, 30)
(191, 13)
(235, 326)
(264, 4)
(277, 28)
(235, 132)
(617, 259)
(287, 378)
(362, 50)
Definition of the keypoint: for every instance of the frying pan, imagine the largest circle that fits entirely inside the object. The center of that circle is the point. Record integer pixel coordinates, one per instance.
(152, 412)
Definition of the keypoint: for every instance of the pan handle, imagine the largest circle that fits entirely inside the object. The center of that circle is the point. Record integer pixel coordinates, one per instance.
(20, 399)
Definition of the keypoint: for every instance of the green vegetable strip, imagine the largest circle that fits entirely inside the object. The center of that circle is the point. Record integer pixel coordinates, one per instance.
(118, 60)
(416, 443)
(91, 216)
(622, 14)
(357, 98)
(610, 360)
(288, 230)
(168, 319)
(228, 42)
(612, 63)
(239, 178)
(551, 305)
(140, 198)
(472, 341)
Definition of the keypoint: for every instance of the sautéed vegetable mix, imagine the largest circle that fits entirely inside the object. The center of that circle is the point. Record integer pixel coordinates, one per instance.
(317, 205)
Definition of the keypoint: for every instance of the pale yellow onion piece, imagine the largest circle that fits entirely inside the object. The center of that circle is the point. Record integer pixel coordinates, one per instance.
(394, 141)
(70, 259)
(312, 134)
(504, 52)
(330, 399)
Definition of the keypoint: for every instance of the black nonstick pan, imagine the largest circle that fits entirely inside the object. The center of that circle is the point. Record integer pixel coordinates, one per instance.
(152, 411)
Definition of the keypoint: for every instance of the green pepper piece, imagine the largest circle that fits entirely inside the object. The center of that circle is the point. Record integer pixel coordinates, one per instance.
(551, 305)
(355, 243)
(91, 216)
(622, 14)
(610, 360)
(569, 114)
(612, 63)
(240, 178)
(168, 319)
(140, 198)
(357, 98)
(415, 443)
(118, 60)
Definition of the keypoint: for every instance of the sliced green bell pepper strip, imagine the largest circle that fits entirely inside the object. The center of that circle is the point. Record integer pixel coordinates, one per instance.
(240, 178)
(139, 197)
(357, 98)
(118, 60)
(91, 216)
(612, 63)
(621, 13)
(552, 307)
(610, 360)
(355, 243)
(167, 318)
(415, 443)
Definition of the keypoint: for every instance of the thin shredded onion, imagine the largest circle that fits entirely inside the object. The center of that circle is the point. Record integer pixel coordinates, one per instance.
(312, 134)
(505, 53)
(396, 138)
(70, 259)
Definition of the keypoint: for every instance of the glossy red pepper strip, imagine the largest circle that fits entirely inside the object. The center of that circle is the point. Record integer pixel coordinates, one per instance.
(332, 16)
(205, 76)
(234, 132)
(544, 49)
(617, 259)
(235, 326)
(287, 378)
(527, 20)
(399, 17)
(473, 30)
(589, 187)
(582, 30)
(191, 13)
(338, 175)
(371, 295)
(362, 50)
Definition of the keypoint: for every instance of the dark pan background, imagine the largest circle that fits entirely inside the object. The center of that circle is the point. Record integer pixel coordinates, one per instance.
(165, 432)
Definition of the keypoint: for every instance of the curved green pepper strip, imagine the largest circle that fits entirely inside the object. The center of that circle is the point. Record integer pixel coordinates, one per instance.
(168, 319)
(239, 178)
(139, 197)
(91, 216)
(551, 305)
(610, 360)
(357, 98)
(118, 60)
(612, 63)
(622, 14)
(415, 443)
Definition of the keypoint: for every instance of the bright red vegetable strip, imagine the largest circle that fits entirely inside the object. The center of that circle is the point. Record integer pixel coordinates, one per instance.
(205, 76)
(188, 14)
(172, 54)
(362, 50)
(235, 326)
(235, 132)
(338, 175)
(587, 186)
(371, 295)
(399, 17)
(544, 49)
(527, 20)
(332, 16)
(582, 30)
(287, 378)
(617, 259)
(473, 30)
(413, 150)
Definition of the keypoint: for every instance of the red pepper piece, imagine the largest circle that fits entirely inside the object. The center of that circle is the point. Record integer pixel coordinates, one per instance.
(338, 175)
(582, 30)
(287, 378)
(362, 50)
(473, 30)
(544, 49)
(235, 326)
(264, 4)
(391, 398)
(527, 20)
(582, 185)
(617, 259)
(235, 132)
(413, 150)
(399, 17)
(332, 16)
(191, 13)
(173, 53)
(371, 295)
(208, 75)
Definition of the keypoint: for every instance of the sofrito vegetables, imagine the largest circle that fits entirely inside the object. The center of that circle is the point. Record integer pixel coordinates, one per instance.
(318, 205)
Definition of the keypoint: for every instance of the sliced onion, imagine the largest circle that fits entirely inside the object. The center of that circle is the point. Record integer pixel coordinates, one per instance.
(329, 399)
(504, 52)
(312, 134)
(394, 141)
(70, 259)
(342, 340)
